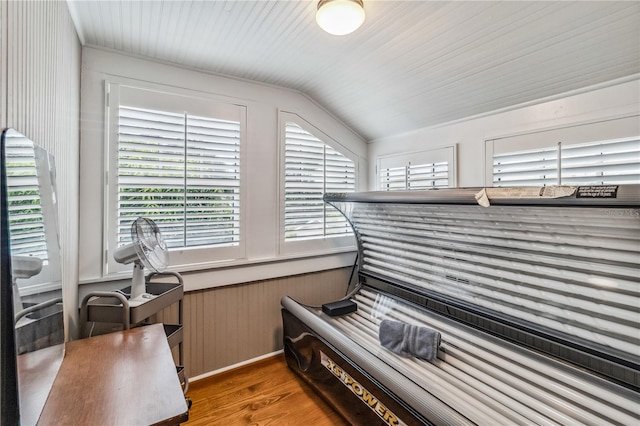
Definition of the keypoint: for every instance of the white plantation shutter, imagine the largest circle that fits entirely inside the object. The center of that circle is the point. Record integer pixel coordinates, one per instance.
(415, 176)
(181, 171)
(537, 167)
(26, 221)
(213, 182)
(610, 162)
(393, 178)
(340, 176)
(311, 169)
(150, 170)
(605, 152)
(428, 169)
(304, 184)
(428, 176)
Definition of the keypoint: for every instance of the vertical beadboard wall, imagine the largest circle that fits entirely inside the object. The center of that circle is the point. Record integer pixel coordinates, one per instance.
(41, 60)
(3, 63)
(231, 324)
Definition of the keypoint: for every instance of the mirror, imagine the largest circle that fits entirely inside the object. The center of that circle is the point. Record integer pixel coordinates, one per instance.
(34, 284)
(34, 244)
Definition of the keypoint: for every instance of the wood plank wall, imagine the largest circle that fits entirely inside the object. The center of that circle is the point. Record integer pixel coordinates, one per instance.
(231, 324)
(40, 97)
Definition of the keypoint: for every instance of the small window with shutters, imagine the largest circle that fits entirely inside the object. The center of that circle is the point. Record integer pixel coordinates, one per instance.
(589, 154)
(312, 168)
(537, 167)
(178, 162)
(612, 162)
(429, 169)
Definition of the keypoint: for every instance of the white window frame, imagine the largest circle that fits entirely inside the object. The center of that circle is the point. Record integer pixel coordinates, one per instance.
(160, 98)
(446, 154)
(313, 246)
(569, 136)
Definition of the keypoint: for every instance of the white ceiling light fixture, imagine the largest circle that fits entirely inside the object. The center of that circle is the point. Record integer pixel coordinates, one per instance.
(340, 17)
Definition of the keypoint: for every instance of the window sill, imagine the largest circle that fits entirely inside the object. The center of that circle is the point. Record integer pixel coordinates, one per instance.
(217, 274)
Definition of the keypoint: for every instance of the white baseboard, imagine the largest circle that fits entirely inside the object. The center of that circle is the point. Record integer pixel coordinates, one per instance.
(231, 367)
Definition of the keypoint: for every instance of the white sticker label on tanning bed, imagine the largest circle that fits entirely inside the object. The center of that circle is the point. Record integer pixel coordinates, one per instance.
(367, 397)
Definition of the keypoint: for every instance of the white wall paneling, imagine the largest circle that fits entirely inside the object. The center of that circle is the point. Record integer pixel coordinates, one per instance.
(3, 63)
(40, 98)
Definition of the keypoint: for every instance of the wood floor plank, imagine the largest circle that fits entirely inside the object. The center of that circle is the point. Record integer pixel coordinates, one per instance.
(264, 393)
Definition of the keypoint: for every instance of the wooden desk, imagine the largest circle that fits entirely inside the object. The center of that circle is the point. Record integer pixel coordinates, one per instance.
(120, 378)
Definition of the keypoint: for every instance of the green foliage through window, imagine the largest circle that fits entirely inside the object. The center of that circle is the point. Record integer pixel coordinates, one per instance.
(181, 171)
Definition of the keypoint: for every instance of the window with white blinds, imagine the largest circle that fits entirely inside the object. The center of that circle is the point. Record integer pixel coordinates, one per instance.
(428, 169)
(415, 176)
(177, 160)
(181, 171)
(313, 168)
(526, 168)
(610, 162)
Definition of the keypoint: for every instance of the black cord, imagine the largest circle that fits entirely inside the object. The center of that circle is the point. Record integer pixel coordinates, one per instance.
(353, 269)
(127, 295)
(348, 294)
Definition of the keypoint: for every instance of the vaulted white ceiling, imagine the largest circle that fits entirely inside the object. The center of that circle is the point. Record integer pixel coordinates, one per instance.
(412, 64)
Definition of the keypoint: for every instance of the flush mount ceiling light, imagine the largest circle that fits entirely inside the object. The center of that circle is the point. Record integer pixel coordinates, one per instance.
(340, 17)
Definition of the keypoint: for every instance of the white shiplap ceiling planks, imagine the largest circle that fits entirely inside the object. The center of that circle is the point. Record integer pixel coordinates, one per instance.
(412, 64)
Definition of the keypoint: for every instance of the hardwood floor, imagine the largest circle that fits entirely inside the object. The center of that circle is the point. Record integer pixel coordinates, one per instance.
(263, 393)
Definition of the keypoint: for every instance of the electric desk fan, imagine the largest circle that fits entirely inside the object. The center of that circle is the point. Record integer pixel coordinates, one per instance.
(147, 249)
